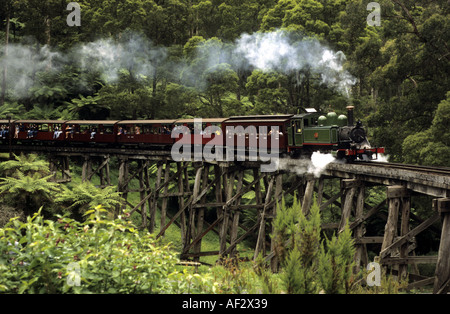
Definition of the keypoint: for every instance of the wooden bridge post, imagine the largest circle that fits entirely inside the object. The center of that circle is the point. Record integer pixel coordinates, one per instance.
(361, 249)
(349, 187)
(261, 240)
(65, 169)
(404, 229)
(277, 198)
(181, 189)
(442, 273)
(153, 201)
(228, 184)
(123, 179)
(398, 199)
(86, 170)
(390, 230)
(142, 176)
(60, 163)
(236, 214)
(201, 212)
(192, 210)
(165, 197)
(308, 196)
(320, 191)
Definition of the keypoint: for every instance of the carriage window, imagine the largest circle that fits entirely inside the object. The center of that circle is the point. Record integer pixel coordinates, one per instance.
(84, 129)
(108, 129)
(137, 129)
(146, 129)
(306, 122)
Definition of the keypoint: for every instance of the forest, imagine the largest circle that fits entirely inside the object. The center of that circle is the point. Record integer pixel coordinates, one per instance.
(170, 59)
(157, 59)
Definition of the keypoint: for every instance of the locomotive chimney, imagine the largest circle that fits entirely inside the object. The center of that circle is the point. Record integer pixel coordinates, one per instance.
(350, 115)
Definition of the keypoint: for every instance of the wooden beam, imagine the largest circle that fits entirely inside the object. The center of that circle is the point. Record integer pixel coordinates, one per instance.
(201, 212)
(366, 216)
(407, 237)
(350, 187)
(331, 200)
(390, 230)
(442, 274)
(165, 195)
(235, 221)
(202, 234)
(409, 260)
(308, 197)
(191, 200)
(260, 242)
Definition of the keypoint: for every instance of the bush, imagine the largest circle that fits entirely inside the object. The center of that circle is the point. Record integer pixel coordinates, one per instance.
(309, 264)
(97, 256)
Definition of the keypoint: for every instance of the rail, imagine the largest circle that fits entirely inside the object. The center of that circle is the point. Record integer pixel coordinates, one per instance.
(432, 181)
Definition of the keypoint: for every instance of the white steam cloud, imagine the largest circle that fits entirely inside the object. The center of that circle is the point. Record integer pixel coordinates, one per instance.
(24, 62)
(279, 51)
(137, 55)
(315, 166)
(275, 51)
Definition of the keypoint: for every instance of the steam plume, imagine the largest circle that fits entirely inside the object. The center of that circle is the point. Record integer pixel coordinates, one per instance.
(274, 51)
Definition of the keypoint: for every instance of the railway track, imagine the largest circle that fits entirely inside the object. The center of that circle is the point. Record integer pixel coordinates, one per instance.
(417, 168)
(433, 181)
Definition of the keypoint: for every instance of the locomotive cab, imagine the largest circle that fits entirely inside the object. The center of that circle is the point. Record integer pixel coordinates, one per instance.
(311, 131)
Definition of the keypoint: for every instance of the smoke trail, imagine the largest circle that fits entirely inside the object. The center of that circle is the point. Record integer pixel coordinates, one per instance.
(282, 52)
(106, 56)
(25, 62)
(315, 166)
(382, 158)
(279, 51)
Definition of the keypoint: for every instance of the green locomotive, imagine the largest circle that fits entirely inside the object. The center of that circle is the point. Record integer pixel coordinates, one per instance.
(312, 131)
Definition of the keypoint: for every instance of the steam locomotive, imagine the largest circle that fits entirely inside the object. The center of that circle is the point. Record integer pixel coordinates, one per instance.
(295, 135)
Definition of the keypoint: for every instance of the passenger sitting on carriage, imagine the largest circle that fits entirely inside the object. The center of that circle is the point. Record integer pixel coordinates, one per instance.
(70, 130)
(32, 131)
(3, 131)
(57, 133)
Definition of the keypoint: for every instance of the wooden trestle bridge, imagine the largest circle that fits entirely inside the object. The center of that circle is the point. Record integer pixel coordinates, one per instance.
(220, 187)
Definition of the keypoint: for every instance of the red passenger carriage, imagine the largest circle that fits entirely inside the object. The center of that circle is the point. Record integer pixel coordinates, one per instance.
(157, 132)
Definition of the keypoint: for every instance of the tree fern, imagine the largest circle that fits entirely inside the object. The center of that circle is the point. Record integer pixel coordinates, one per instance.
(85, 196)
(28, 192)
(24, 164)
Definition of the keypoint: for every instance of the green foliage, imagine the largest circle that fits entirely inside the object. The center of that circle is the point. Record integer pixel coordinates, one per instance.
(108, 256)
(300, 268)
(12, 109)
(28, 183)
(309, 264)
(336, 263)
(27, 192)
(87, 107)
(401, 66)
(25, 164)
(81, 197)
(431, 147)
